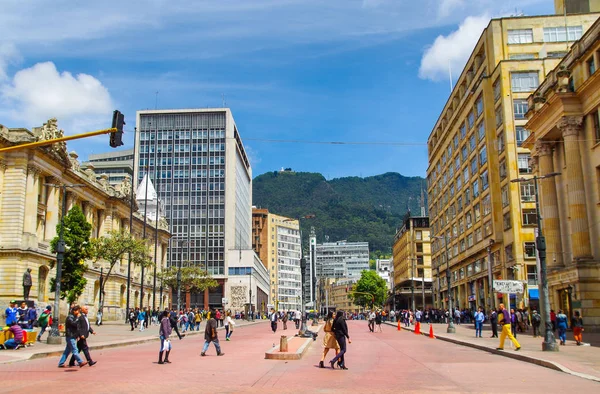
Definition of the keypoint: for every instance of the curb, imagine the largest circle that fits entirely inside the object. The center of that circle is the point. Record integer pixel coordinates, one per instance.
(273, 353)
(521, 357)
(35, 356)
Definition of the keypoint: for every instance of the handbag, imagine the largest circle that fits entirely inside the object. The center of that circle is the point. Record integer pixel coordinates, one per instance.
(166, 345)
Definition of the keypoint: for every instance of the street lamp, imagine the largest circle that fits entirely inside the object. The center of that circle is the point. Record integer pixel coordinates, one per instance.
(451, 329)
(250, 312)
(492, 304)
(54, 337)
(412, 282)
(549, 343)
(181, 245)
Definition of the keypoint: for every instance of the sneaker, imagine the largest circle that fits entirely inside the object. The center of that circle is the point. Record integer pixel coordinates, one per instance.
(203, 354)
(227, 339)
(221, 354)
(499, 348)
(83, 364)
(61, 366)
(517, 349)
(92, 363)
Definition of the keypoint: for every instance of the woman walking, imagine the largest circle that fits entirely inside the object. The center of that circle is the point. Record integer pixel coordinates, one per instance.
(229, 323)
(577, 326)
(329, 341)
(165, 344)
(561, 323)
(340, 330)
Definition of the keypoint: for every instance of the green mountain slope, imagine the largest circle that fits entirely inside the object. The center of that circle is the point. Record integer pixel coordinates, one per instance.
(352, 208)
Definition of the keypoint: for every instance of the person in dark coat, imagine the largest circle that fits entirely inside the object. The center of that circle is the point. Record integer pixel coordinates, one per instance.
(71, 335)
(85, 329)
(165, 331)
(340, 329)
(494, 323)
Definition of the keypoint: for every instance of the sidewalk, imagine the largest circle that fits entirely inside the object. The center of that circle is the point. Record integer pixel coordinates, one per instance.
(110, 334)
(581, 361)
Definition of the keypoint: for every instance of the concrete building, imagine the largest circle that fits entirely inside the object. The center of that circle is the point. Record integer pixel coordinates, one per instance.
(337, 292)
(564, 121)
(30, 210)
(342, 259)
(117, 165)
(412, 264)
(384, 267)
(277, 242)
(248, 283)
(475, 149)
(199, 167)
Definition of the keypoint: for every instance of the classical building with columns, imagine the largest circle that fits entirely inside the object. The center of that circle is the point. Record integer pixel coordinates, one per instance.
(30, 209)
(564, 122)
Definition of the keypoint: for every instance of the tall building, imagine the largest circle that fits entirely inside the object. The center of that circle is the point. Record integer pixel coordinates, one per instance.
(412, 264)
(384, 269)
(342, 259)
(276, 239)
(337, 296)
(117, 165)
(564, 121)
(475, 149)
(199, 167)
(576, 6)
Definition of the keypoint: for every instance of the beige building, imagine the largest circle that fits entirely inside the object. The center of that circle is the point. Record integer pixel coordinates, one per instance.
(564, 121)
(337, 294)
(476, 148)
(412, 264)
(30, 210)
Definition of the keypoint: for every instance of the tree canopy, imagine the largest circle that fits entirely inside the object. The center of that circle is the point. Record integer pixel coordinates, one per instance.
(193, 278)
(373, 285)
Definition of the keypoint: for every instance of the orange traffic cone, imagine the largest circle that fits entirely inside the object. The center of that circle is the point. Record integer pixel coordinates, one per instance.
(399, 329)
(418, 328)
(431, 332)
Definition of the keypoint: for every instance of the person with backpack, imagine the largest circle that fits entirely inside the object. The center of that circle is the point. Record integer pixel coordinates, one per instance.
(44, 321)
(198, 320)
(536, 320)
(190, 322)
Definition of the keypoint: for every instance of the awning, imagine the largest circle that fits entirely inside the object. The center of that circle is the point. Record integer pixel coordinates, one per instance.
(534, 294)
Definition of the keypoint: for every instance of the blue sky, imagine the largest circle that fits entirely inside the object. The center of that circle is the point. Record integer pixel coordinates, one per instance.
(331, 70)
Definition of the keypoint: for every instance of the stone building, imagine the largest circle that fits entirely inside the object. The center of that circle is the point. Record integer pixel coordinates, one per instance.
(30, 209)
(564, 121)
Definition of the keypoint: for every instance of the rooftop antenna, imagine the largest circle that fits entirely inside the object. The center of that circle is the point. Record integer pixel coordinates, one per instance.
(156, 101)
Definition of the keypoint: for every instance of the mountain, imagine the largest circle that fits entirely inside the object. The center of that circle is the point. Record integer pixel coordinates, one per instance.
(351, 208)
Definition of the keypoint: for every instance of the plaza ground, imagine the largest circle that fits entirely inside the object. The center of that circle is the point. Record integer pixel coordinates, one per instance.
(390, 361)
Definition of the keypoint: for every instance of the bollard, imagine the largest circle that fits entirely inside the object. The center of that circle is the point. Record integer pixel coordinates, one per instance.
(283, 344)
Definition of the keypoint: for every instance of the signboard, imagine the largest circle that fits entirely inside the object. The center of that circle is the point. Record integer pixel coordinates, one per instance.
(224, 301)
(508, 286)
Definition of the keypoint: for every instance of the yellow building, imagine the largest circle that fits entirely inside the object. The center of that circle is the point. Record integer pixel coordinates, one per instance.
(30, 209)
(475, 149)
(338, 291)
(412, 264)
(576, 6)
(276, 240)
(564, 121)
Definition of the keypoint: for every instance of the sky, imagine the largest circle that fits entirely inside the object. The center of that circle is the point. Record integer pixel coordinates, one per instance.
(373, 74)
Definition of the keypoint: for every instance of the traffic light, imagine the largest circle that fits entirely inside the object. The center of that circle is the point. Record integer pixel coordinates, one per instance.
(118, 121)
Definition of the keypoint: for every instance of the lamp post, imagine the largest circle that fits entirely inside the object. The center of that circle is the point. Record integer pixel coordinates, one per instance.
(250, 312)
(492, 304)
(131, 200)
(549, 343)
(54, 337)
(412, 283)
(450, 329)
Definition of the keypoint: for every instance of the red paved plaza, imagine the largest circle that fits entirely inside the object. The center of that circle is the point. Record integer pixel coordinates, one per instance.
(391, 361)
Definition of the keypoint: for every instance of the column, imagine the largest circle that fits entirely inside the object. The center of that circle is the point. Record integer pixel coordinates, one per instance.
(570, 127)
(549, 204)
(52, 211)
(31, 201)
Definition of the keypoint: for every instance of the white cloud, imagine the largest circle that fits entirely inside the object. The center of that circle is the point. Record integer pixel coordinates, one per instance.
(40, 92)
(452, 50)
(8, 55)
(449, 6)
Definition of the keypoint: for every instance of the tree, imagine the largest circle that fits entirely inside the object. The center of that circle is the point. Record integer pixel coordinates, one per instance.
(372, 284)
(76, 234)
(112, 248)
(193, 278)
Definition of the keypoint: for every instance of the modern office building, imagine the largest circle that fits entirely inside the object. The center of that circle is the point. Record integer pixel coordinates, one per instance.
(115, 164)
(276, 239)
(341, 259)
(412, 264)
(476, 148)
(199, 167)
(384, 268)
(564, 121)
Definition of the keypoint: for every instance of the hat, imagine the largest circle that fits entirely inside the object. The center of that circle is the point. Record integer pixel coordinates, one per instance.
(13, 302)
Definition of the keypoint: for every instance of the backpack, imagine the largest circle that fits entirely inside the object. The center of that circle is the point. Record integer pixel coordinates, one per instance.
(43, 319)
(537, 318)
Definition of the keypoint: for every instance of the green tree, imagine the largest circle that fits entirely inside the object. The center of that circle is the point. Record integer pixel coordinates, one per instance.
(112, 248)
(372, 284)
(76, 234)
(193, 278)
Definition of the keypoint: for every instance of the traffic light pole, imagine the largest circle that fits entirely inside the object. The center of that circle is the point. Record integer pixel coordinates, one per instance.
(55, 140)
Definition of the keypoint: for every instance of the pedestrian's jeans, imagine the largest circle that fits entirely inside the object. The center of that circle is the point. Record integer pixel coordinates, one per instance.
(70, 348)
(340, 356)
(217, 346)
(41, 332)
(562, 333)
(10, 343)
(478, 328)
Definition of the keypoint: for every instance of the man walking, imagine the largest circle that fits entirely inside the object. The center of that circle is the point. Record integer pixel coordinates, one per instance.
(372, 321)
(45, 321)
(71, 335)
(273, 320)
(284, 320)
(210, 335)
(85, 329)
(505, 319)
(536, 320)
(494, 323)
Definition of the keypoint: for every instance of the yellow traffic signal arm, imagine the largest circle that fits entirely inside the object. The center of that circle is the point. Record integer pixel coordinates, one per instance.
(50, 142)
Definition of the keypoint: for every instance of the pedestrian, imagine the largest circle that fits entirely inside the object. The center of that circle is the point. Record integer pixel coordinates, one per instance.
(229, 323)
(494, 323)
(553, 319)
(99, 317)
(284, 320)
(577, 326)
(536, 320)
(378, 318)
(513, 322)
(173, 321)
(340, 329)
(329, 341)
(505, 321)
(84, 329)
(165, 343)
(146, 317)
(141, 317)
(132, 319)
(198, 320)
(561, 324)
(11, 313)
(479, 318)
(210, 335)
(44, 321)
(372, 321)
(273, 318)
(17, 340)
(71, 335)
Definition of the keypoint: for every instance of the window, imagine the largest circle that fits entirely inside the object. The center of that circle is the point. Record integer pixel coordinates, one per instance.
(418, 235)
(558, 34)
(467, 197)
(527, 191)
(524, 163)
(520, 36)
(479, 105)
(477, 211)
(520, 108)
(487, 228)
(502, 169)
(532, 277)
(524, 81)
(464, 153)
(481, 131)
(487, 205)
(591, 66)
(508, 252)
(596, 123)
(469, 219)
(475, 189)
(456, 142)
(501, 142)
(505, 197)
(521, 134)
(472, 143)
(522, 56)
(419, 248)
(457, 163)
(478, 236)
(506, 220)
(529, 217)
(458, 183)
(499, 117)
(484, 181)
(474, 166)
(483, 156)
(469, 240)
(459, 203)
(497, 89)
(463, 131)
(471, 119)
(466, 175)
(529, 249)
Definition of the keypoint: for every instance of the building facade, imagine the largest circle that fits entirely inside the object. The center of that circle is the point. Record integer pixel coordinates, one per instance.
(199, 167)
(248, 283)
(342, 259)
(30, 210)
(337, 292)
(117, 165)
(564, 121)
(476, 148)
(412, 264)
(384, 269)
